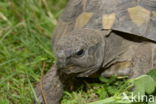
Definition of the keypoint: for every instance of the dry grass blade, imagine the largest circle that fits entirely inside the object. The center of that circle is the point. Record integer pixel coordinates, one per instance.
(41, 86)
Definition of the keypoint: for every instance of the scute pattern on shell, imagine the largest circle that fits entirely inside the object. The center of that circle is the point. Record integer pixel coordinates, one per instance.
(143, 11)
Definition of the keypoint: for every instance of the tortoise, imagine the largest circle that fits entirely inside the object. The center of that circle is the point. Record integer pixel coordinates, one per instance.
(100, 38)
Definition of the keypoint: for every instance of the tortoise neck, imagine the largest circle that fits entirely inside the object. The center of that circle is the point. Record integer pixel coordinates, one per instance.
(112, 50)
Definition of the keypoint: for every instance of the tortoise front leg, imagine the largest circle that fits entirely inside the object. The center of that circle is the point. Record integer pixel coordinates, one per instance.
(50, 89)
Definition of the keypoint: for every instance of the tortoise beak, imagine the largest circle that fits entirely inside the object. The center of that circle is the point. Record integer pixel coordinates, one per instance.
(61, 63)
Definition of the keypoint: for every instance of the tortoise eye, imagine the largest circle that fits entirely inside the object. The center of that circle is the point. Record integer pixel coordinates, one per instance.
(80, 52)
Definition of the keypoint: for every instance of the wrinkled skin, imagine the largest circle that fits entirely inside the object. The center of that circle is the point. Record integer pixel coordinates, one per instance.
(85, 52)
(83, 56)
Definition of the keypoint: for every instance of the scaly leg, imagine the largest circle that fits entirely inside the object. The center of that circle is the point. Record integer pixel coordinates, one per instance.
(50, 89)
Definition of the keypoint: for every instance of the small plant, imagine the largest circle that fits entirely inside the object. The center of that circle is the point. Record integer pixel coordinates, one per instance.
(112, 90)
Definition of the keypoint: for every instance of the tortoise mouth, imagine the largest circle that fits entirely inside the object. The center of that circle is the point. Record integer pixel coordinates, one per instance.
(79, 71)
(73, 69)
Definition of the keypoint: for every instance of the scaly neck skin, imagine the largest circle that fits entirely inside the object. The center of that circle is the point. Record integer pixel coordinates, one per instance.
(114, 47)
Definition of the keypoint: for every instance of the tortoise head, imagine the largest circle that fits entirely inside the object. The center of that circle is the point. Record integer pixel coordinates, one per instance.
(80, 52)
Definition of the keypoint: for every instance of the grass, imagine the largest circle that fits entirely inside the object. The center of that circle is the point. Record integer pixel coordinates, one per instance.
(26, 28)
(90, 92)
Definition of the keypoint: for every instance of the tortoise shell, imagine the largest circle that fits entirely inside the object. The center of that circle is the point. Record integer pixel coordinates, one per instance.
(137, 17)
